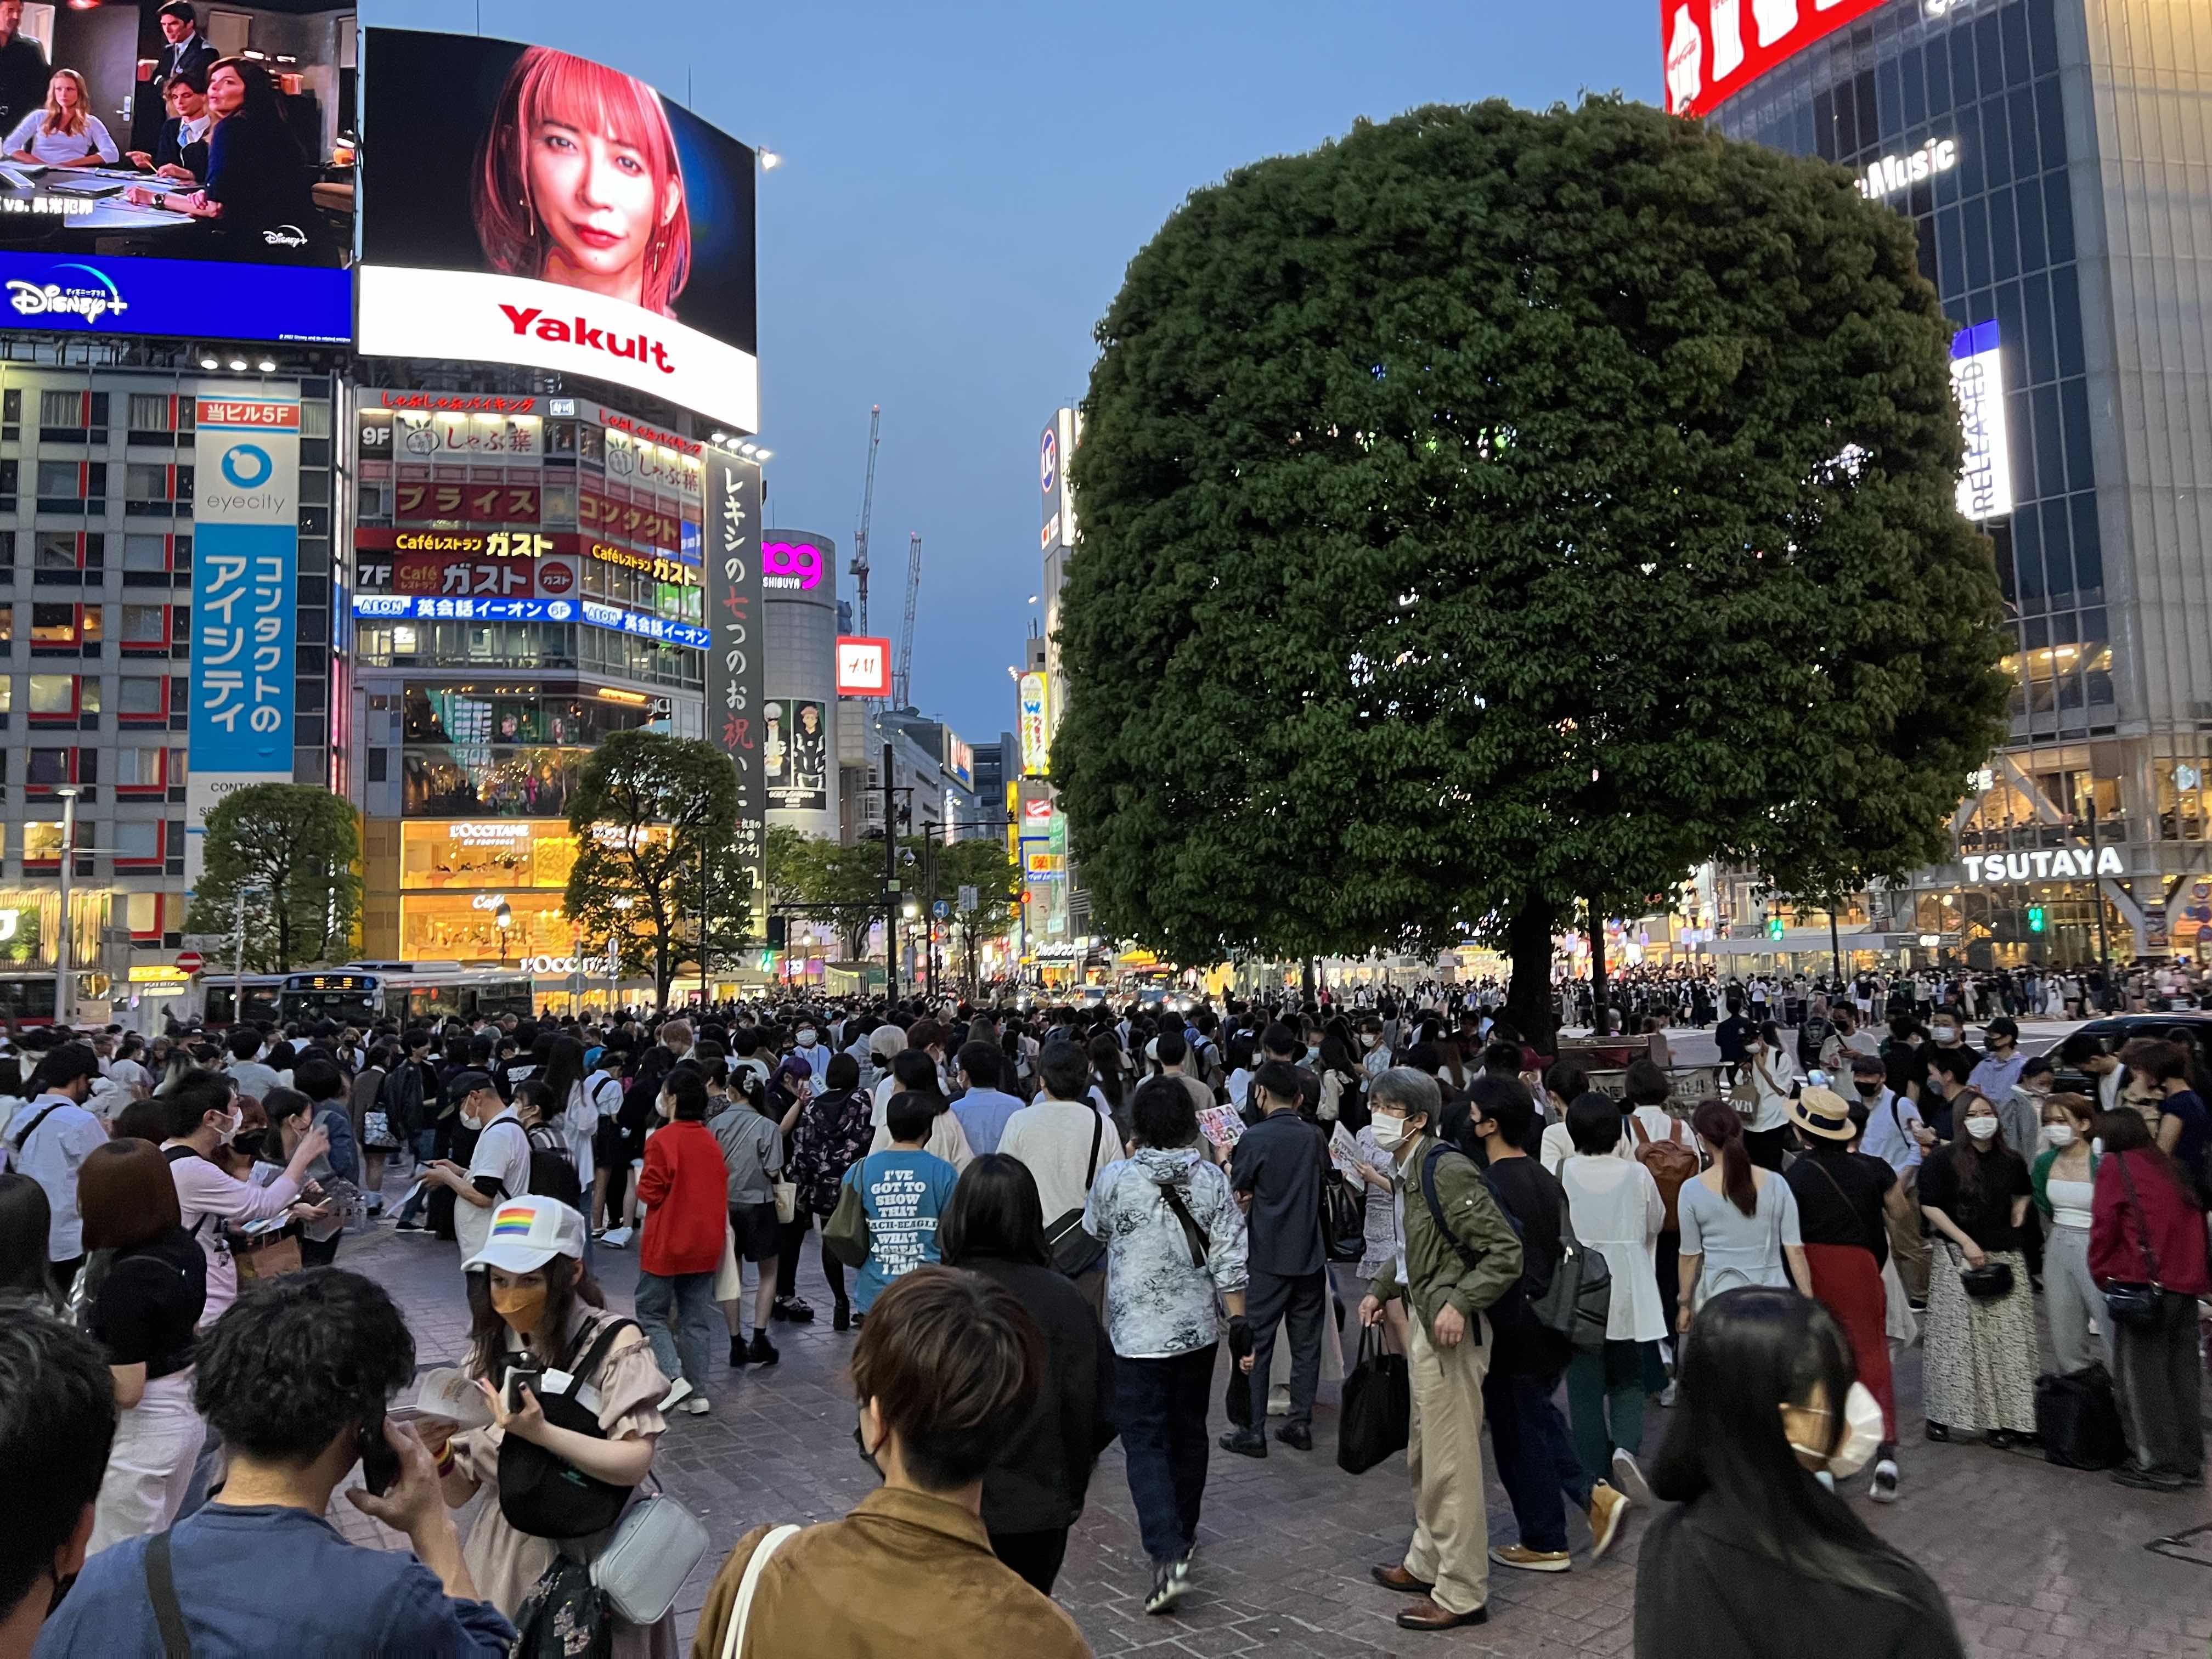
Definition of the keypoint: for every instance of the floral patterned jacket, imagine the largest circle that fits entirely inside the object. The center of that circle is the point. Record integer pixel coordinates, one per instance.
(831, 1135)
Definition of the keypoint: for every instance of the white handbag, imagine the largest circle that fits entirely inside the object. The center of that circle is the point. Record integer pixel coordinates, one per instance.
(729, 1283)
(645, 1563)
(733, 1638)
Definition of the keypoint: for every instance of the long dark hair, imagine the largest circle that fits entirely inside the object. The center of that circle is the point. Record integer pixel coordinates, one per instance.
(25, 1220)
(1106, 1060)
(1717, 1122)
(564, 1072)
(568, 1281)
(1750, 1350)
(994, 1212)
(2125, 1131)
(1967, 1155)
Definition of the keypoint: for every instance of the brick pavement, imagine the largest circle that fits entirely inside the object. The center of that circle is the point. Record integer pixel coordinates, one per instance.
(2037, 1561)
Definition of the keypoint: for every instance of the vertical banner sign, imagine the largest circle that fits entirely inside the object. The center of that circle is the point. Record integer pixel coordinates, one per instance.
(734, 661)
(244, 564)
(1978, 379)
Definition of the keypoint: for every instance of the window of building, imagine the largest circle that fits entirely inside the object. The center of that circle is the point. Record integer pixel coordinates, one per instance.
(145, 625)
(53, 694)
(141, 694)
(7, 625)
(149, 411)
(42, 841)
(177, 770)
(57, 551)
(61, 409)
(138, 769)
(138, 843)
(146, 553)
(61, 481)
(54, 624)
(48, 768)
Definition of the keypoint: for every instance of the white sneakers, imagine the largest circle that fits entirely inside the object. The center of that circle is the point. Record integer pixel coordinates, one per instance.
(696, 1406)
(677, 1393)
(1884, 1489)
(616, 1238)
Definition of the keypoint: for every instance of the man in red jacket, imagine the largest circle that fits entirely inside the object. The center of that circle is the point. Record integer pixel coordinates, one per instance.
(682, 1185)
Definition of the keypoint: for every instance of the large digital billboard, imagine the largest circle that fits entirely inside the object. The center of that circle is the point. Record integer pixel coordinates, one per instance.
(176, 170)
(521, 205)
(1715, 48)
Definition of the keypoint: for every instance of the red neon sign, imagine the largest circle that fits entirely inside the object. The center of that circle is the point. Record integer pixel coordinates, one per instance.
(1715, 48)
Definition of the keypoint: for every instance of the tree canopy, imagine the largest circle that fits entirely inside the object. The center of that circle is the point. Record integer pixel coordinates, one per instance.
(1495, 508)
(652, 813)
(289, 849)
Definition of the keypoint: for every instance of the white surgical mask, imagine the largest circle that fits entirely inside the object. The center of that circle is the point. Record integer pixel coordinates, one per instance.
(2059, 1134)
(806, 1039)
(1862, 1436)
(1981, 1127)
(230, 1130)
(1389, 1132)
(1942, 1033)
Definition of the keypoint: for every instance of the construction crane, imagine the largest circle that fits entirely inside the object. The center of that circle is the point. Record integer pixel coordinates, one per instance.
(902, 681)
(859, 568)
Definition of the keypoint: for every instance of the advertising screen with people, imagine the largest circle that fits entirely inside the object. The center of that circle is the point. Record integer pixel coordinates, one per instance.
(171, 167)
(524, 205)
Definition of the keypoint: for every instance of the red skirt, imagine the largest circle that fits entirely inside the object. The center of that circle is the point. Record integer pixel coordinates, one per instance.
(1849, 1285)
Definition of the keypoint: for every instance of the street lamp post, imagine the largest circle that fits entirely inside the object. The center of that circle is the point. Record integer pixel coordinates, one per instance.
(2097, 897)
(65, 988)
(503, 918)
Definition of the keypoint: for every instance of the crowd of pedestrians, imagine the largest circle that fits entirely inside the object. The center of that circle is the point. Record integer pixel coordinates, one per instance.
(1046, 1227)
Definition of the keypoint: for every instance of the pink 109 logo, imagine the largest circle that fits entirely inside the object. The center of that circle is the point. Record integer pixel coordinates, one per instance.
(799, 563)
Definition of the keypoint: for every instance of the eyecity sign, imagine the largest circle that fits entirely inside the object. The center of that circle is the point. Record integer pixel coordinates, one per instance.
(2065, 863)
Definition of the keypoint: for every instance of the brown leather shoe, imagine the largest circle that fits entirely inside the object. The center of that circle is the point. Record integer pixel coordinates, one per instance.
(1395, 1578)
(1425, 1615)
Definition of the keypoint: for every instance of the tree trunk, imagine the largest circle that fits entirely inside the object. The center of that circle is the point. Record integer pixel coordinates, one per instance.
(1600, 1013)
(1530, 1004)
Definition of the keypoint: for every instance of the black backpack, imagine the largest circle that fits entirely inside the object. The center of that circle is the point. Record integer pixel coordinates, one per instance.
(542, 1493)
(553, 1168)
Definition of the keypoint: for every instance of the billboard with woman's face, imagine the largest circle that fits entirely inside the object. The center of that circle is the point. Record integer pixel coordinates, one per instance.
(523, 205)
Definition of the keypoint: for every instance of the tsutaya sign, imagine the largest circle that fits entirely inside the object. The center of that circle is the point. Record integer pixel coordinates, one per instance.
(2066, 862)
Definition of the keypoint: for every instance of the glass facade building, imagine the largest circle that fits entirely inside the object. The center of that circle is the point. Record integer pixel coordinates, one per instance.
(2055, 157)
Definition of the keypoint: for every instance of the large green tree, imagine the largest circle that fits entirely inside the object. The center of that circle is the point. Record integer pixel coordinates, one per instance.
(1493, 509)
(654, 818)
(844, 883)
(288, 850)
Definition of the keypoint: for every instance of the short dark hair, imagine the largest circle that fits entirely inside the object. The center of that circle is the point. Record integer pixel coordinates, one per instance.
(1066, 1070)
(193, 1099)
(1504, 1101)
(2080, 1048)
(65, 1065)
(844, 1073)
(994, 1212)
(909, 1115)
(295, 1359)
(1280, 1078)
(980, 1062)
(319, 1079)
(1647, 1084)
(951, 1360)
(191, 75)
(1957, 1064)
(2154, 1057)
(687, 1087)
(1162, 1114)
(1279, 1039)
(243, 1042)
(56, 1422)
(180, 9)
(1864, 1065)
(1169, 1047)
(916, 1071)
(1593, 1124)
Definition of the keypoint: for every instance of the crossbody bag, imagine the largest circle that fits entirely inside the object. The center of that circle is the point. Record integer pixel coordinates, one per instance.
(2136, 1303)
(1074, 1250)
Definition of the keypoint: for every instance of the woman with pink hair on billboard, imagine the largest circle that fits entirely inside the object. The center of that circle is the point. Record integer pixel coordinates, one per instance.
(579, 183)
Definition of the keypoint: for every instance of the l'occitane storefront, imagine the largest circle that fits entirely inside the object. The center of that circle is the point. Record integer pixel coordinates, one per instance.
(459, 880)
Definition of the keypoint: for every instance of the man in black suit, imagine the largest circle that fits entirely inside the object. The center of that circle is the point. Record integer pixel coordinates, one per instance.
(23, 69)
(186, 49)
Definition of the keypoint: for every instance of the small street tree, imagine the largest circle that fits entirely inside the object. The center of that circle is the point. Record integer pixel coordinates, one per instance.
(288, 850)
(1493, 510)
(846, 882)
(981, 864)
(647, 808)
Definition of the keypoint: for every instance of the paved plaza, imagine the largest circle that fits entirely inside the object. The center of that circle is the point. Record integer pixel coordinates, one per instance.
(2036, 1561)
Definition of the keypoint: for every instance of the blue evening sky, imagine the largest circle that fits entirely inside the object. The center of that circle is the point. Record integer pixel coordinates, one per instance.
(962, 185)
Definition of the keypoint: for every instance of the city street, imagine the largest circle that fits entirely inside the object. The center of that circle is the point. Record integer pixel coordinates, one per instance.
(2035, 1560)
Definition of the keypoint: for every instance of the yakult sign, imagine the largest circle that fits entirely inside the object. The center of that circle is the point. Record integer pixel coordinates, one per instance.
(1718, 47)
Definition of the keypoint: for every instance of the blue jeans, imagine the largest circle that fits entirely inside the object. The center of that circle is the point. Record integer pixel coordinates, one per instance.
(680, 1347)
(1536, 1465)
(424, 1144)
(1161, 1406)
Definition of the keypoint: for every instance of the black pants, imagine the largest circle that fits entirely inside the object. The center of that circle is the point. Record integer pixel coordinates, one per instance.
(62, 1274)
(1302, 1300)
(319, 1255)
(1667, 1264)
(1035, 1555)
(1160, 1406)
(833, 1270)
(791, 1237)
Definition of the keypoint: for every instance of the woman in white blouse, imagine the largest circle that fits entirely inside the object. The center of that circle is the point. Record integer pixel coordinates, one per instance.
(1615, 1207)
(65, 133)
(1774, 1075)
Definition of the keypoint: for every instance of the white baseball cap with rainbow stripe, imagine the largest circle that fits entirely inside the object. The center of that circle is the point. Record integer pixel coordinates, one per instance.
(527, 1233)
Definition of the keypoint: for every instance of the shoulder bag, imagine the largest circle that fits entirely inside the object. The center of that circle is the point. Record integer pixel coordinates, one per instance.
(1343, 1211)
(845, 1235)
(1074, 1251)
(2136, 1304)
(1193, 1234)
(542, 1493)
(647, 1561)
(734, 1636)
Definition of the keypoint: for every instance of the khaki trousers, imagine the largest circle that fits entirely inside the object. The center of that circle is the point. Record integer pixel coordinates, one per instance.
(1905, 1242)
(1451, 1521)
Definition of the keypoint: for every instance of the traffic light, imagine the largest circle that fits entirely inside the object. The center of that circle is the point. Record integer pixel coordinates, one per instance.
(1774, 928)
(2034, 918)
(779, 932)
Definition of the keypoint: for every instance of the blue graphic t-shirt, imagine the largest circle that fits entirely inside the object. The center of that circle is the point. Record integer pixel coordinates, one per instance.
(903, 1193)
